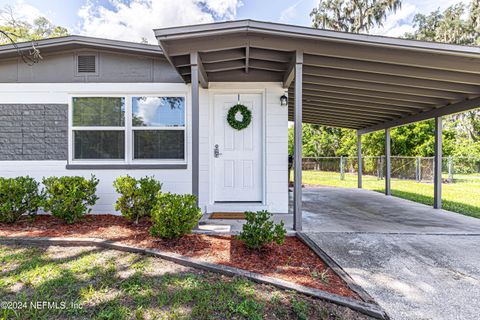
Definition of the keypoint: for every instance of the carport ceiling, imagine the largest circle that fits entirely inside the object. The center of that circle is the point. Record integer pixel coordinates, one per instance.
(353, 81)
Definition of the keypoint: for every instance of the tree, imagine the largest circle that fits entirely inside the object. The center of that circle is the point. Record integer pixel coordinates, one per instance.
(321, 141)
(458, 24)
(352, 16)
(13, 30)
(416, 139)
(22, 31)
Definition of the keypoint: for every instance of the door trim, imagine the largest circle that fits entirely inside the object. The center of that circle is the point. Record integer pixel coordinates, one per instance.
(211, 136)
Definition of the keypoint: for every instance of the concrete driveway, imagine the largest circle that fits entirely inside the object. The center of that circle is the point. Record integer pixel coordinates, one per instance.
(416, 262)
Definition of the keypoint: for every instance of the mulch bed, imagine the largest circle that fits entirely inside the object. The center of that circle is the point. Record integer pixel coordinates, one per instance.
(293, 261)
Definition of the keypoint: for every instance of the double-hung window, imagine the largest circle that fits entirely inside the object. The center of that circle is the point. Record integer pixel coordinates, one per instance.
(128, 129)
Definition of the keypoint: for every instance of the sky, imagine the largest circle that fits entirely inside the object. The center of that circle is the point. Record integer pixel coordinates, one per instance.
(133, 20)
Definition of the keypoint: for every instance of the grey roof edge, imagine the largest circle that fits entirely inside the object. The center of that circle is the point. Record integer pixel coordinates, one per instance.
(226, 27)
(83, 40)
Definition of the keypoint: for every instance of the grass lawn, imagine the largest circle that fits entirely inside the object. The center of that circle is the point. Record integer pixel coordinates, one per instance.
(106, 284)
(461, 196)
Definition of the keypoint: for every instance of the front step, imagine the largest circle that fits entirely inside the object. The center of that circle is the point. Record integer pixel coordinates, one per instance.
(235, 207)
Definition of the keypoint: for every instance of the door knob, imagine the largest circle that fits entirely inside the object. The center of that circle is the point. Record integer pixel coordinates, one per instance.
(216, 152)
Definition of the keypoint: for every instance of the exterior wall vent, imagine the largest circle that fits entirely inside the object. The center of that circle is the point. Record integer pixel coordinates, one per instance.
(86, 64)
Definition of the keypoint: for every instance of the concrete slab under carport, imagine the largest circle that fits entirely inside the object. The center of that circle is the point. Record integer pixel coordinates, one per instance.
(415, 261)
(332, 209)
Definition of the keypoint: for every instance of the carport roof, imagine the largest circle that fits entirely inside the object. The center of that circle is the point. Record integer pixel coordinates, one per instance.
(355, 81)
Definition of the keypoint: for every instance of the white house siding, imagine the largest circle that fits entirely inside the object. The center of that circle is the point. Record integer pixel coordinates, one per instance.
(174, 180)
(178, 181)
(277, 150)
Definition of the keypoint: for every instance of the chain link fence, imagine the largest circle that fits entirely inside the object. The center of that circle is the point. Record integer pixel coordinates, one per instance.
(419, 169)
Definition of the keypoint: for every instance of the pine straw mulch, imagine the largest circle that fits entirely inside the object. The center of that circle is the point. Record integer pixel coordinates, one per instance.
(293, 261)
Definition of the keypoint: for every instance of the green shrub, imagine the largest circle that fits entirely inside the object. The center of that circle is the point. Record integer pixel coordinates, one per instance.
(259, 230)
(174, 215)
(69, 198)
(137, 196)
(18, 196)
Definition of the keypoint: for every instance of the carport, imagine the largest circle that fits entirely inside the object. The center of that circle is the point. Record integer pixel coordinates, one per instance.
(361, 82)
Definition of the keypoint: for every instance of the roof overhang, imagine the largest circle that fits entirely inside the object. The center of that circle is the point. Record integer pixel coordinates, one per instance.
(354, 81)
(80, 42)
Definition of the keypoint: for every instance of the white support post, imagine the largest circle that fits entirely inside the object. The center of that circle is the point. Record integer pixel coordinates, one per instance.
(437, 178)
(359, 159)
(388, 162)
(297, 162)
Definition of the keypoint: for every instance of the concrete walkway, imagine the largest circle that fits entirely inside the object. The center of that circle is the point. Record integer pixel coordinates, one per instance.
(358, 210)
(416, 262)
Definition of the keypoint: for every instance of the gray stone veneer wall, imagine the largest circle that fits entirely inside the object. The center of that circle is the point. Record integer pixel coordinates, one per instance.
(33, 131)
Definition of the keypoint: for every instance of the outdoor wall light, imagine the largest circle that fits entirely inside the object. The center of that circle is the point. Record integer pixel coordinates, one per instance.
(284, 100)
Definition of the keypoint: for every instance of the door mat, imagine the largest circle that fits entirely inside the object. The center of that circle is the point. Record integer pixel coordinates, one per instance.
(228, 215)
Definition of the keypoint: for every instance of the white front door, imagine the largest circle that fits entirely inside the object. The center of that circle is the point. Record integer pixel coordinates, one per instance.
(238, 167)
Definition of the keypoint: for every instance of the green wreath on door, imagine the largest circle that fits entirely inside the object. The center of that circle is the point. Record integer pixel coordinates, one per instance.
(246, 117)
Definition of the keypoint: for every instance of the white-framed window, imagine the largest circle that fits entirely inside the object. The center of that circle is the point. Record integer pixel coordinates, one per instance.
(127, 129)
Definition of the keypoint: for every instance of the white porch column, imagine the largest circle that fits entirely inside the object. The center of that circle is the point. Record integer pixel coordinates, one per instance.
(194, 58)
(388, 162)
(359, 159)
(297, 153)
(437, 174)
